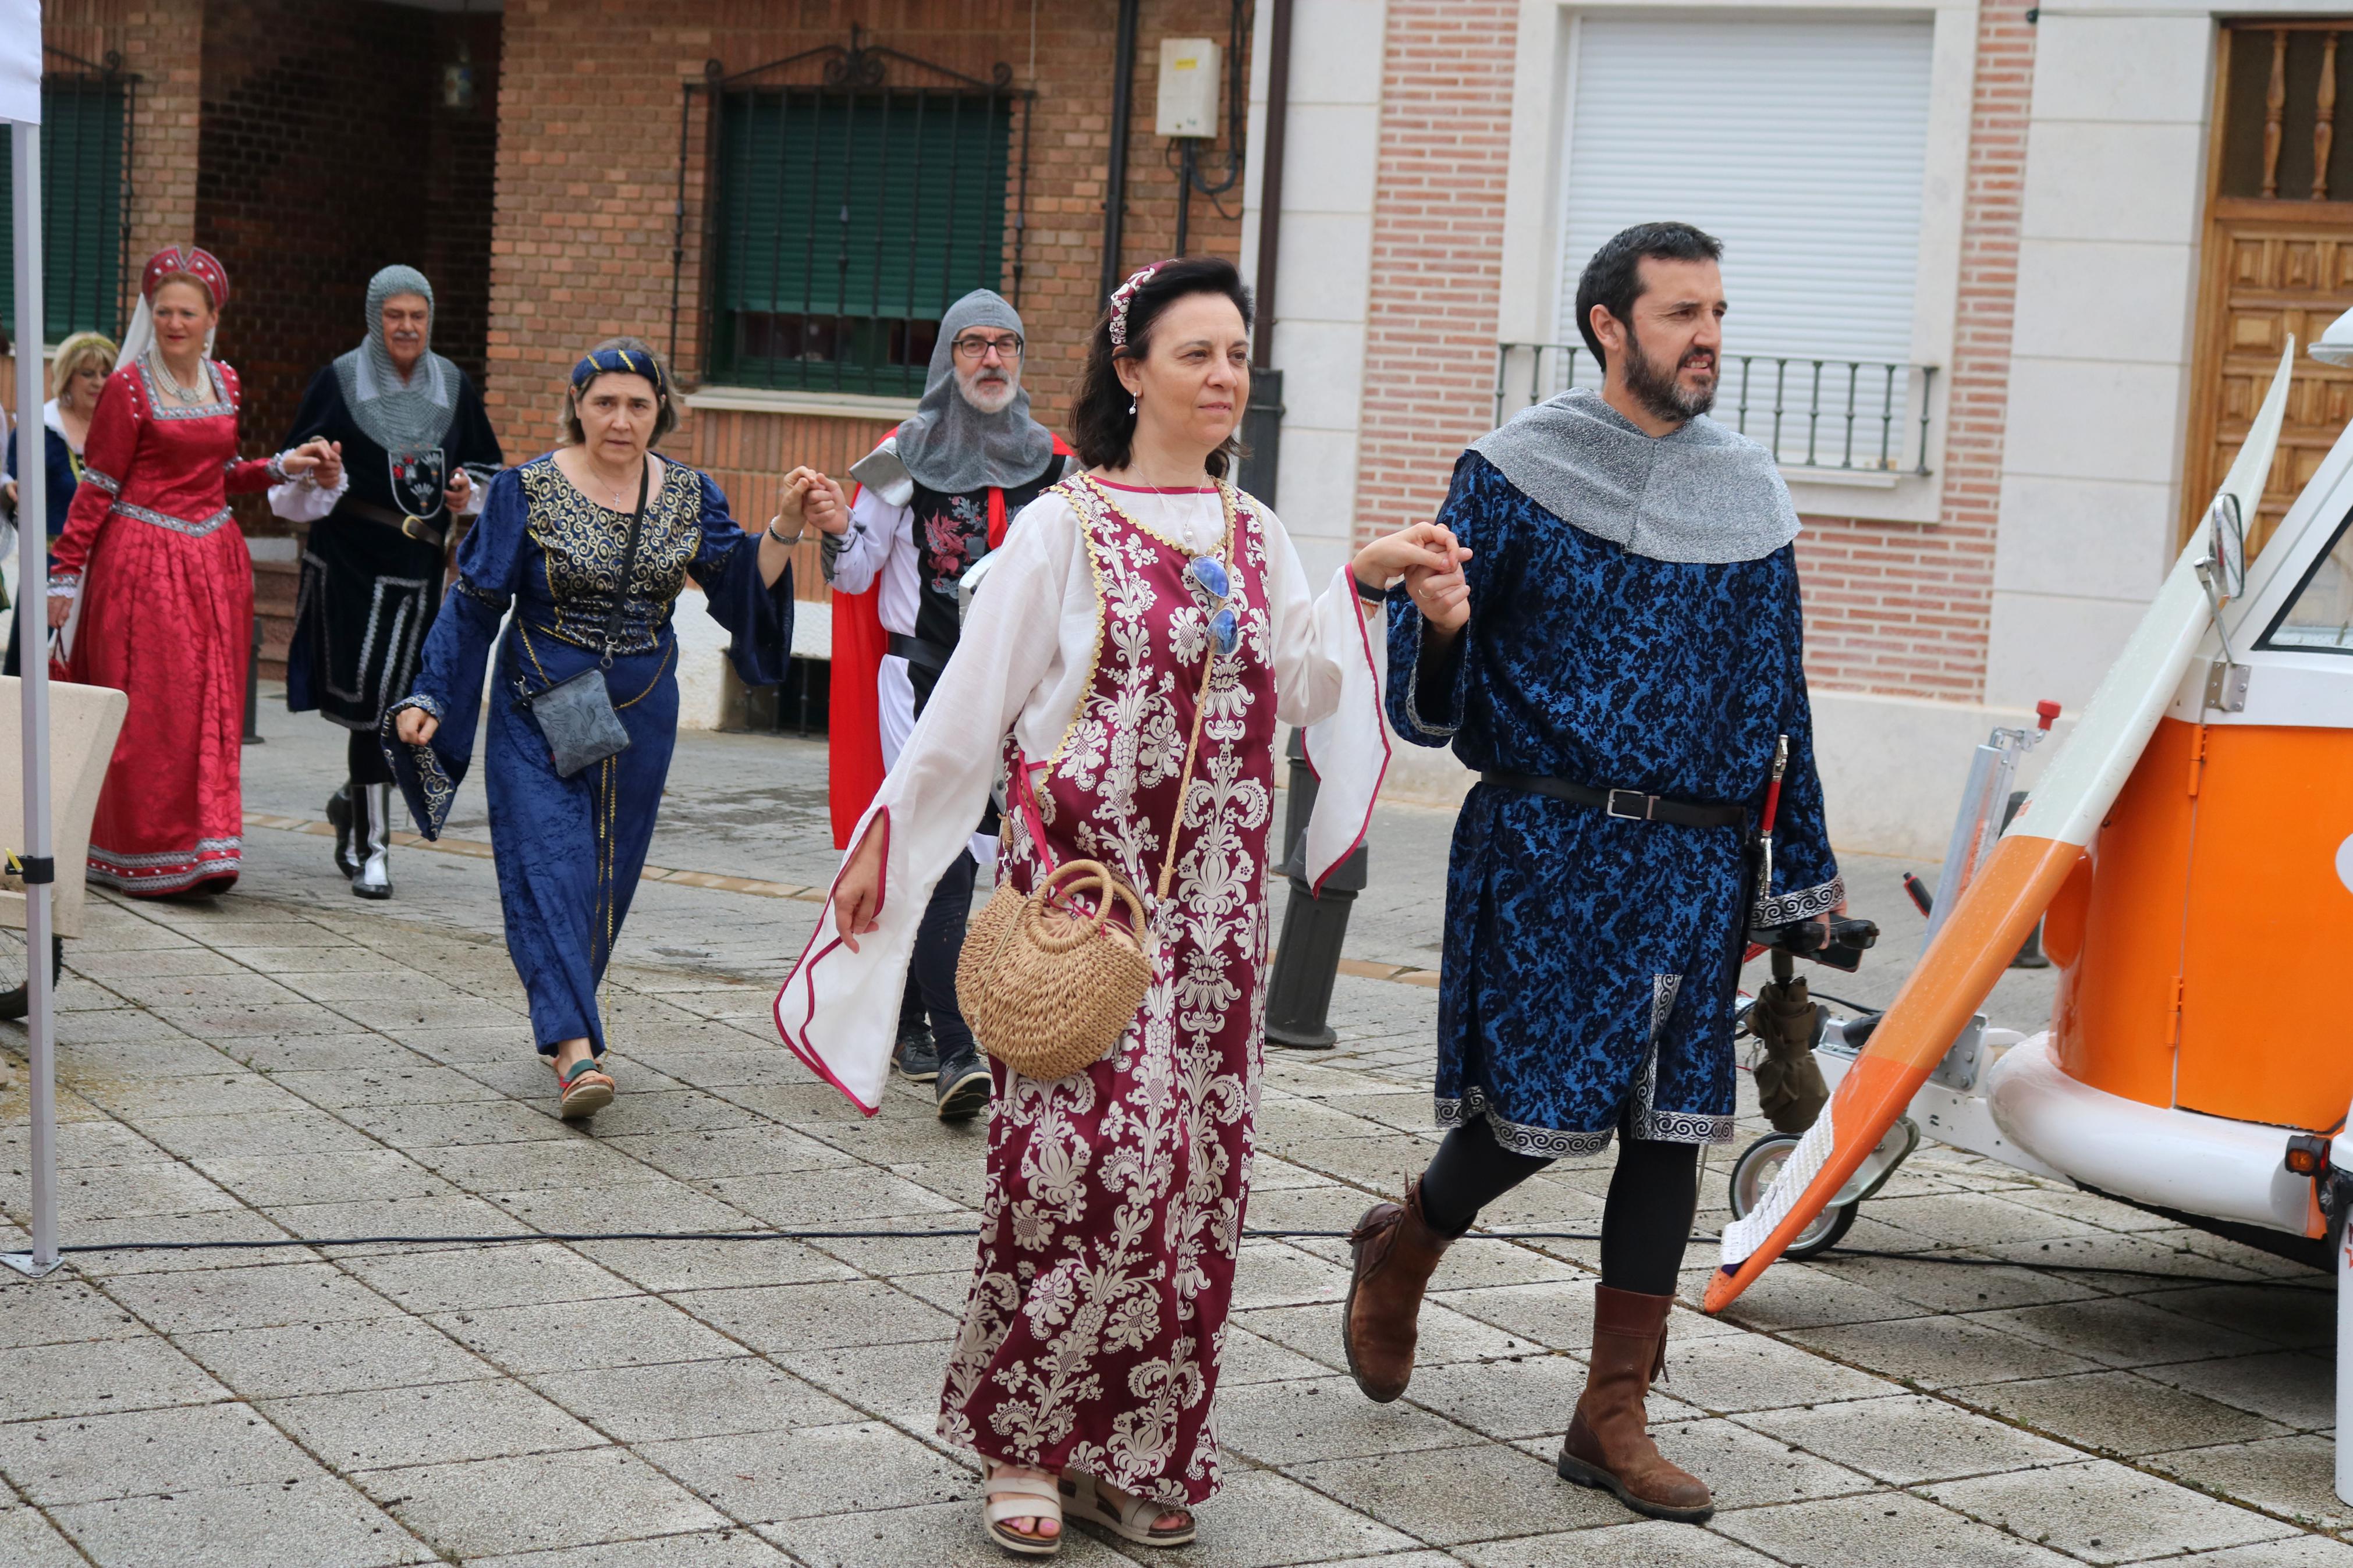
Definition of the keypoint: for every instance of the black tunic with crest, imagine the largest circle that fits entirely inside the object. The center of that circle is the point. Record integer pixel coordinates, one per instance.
(369, 590)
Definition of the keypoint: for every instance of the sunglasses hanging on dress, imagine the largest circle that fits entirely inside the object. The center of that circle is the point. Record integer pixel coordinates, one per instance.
(1208, 574)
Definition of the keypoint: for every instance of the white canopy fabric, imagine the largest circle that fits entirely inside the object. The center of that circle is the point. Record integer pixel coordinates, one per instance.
(20, 60)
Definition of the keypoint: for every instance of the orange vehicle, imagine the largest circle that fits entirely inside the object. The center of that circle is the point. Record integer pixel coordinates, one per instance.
(2193, 867)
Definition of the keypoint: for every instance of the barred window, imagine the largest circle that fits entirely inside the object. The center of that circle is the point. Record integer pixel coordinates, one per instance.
(847, 222)
(84, 127)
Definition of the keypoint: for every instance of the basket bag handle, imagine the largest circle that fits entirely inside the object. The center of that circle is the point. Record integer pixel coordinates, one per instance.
(1022, 767)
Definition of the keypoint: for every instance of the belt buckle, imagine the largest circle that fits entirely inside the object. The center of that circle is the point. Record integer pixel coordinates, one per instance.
(1610, 805)
(415, 528)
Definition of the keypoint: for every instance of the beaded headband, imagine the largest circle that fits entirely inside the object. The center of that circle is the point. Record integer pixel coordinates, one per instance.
(619, 362)
(1124, 296)
(196, 262)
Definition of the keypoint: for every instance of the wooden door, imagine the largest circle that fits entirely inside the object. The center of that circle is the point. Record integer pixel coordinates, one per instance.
(2278, 259)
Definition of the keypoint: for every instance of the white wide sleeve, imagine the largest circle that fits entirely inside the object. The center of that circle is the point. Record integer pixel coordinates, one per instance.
(852, 563)
(1327, 680)
(838, 1011)
(298, 500)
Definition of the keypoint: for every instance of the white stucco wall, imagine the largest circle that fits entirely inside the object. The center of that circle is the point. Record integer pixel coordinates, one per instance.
(1323, 272)
(2100, 375)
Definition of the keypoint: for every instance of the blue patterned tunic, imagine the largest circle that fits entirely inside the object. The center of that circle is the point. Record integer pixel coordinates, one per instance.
(1590, 962)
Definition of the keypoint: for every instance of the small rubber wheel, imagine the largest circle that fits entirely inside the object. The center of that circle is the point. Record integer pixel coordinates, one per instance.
(1752, 1177)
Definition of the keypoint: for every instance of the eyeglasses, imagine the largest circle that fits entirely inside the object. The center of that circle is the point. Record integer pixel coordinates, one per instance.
(975, 348)
(1208, 574)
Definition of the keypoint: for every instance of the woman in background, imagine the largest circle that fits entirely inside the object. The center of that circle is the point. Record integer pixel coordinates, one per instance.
(78, 373)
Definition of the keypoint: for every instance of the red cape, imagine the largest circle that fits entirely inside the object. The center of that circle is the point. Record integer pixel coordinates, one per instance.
(854, 725)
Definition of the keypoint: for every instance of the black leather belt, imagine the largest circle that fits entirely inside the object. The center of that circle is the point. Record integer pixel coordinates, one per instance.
(1631, 804)
(916, 650)
(414, 527)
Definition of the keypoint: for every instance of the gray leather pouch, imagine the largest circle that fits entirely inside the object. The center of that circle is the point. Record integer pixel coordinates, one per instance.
(575, 716)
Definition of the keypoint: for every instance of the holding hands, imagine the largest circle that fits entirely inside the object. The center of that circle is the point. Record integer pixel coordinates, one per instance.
(814, 500)
(318, 459)
(1430, 558)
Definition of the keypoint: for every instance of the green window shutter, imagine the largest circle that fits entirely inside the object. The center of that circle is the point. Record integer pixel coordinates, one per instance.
(847, 225)
(82, 211)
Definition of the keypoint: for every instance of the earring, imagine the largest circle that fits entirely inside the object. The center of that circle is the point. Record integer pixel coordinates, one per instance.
(1130, 406)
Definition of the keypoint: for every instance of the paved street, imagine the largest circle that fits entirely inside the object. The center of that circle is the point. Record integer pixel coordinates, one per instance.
(2047, 1377)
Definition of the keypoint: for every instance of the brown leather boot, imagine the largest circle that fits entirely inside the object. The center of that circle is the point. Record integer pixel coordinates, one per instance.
(1609, 1443)
(1395, 1251)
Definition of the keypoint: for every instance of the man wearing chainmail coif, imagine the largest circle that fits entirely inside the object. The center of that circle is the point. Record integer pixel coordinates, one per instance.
(410, 425)
(1616, 654)
(934, 500)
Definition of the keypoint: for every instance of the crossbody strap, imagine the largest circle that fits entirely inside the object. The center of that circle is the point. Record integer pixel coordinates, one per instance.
(629, 564)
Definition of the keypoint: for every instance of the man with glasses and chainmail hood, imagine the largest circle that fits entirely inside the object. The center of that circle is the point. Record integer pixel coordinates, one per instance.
(932, 501)
(410, 425)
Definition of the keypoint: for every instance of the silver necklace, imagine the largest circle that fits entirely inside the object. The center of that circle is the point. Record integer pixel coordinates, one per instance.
(616, 489)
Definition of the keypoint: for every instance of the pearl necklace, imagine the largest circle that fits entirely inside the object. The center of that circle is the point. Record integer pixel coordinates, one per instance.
(171, 387)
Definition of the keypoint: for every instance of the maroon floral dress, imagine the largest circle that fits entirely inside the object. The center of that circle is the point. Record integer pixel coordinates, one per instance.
(1116, 1196)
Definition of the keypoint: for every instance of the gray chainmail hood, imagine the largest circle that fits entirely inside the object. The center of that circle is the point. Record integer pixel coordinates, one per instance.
(949, 445)
(397, 416)
(1702, 493)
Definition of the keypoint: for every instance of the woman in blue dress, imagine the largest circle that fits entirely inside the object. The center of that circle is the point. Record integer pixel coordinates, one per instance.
(79, 372)
(551, 544)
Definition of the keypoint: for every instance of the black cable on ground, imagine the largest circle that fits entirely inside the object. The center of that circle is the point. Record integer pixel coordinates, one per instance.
(506, 1238)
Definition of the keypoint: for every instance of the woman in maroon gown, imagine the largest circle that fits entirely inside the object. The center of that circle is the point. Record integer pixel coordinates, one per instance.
(153, 586)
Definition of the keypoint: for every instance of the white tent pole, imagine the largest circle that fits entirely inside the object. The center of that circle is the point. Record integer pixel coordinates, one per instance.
(32, 607)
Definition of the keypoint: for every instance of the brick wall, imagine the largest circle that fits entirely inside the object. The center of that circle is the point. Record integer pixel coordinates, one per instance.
(1899, 608)
(309, 177)
(1437, 234)
(588, 167)
(1891, 607)
(461, 147)
(159, 42)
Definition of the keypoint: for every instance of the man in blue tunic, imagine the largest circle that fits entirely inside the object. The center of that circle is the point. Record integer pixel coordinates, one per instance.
(1617, 654)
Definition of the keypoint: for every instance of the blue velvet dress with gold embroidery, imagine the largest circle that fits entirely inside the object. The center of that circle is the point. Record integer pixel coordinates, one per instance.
(569, 851)
(1586, 987)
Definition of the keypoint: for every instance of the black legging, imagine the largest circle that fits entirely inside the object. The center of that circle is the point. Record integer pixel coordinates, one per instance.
(1647, 1218)
(939, 940)
(365, 760)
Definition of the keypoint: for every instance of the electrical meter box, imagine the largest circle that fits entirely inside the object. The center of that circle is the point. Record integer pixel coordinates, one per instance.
(1188, 88)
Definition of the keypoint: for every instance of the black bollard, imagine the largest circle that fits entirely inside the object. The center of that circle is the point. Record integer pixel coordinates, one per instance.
(253, 688)
(1307, 961)
(2030, 952)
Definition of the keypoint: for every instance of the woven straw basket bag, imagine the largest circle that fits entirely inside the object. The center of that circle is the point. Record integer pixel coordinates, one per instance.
(1046, 988)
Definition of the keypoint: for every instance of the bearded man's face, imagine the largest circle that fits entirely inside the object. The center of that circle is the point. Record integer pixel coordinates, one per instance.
(990, 386)
(1675, 338)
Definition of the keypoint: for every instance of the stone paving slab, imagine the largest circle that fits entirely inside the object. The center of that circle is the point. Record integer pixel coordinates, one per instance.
(288, 1061)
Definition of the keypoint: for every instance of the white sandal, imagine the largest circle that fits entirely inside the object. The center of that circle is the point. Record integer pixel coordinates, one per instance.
(1135, 1519)
(1024, 1497)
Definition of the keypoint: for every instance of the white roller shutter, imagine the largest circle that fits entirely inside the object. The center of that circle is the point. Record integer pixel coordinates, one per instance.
(1799, 143)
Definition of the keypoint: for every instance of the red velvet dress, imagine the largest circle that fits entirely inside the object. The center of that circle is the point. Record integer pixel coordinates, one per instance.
(166, 616)
(1114, 1214)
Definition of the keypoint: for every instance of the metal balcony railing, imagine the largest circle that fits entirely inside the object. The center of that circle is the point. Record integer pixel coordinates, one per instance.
(1857, 416)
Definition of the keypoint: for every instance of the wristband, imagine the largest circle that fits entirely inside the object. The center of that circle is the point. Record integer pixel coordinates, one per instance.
(1371, 595)
(796, 539)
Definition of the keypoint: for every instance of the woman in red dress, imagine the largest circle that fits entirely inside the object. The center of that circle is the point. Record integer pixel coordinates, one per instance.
(153, 586)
